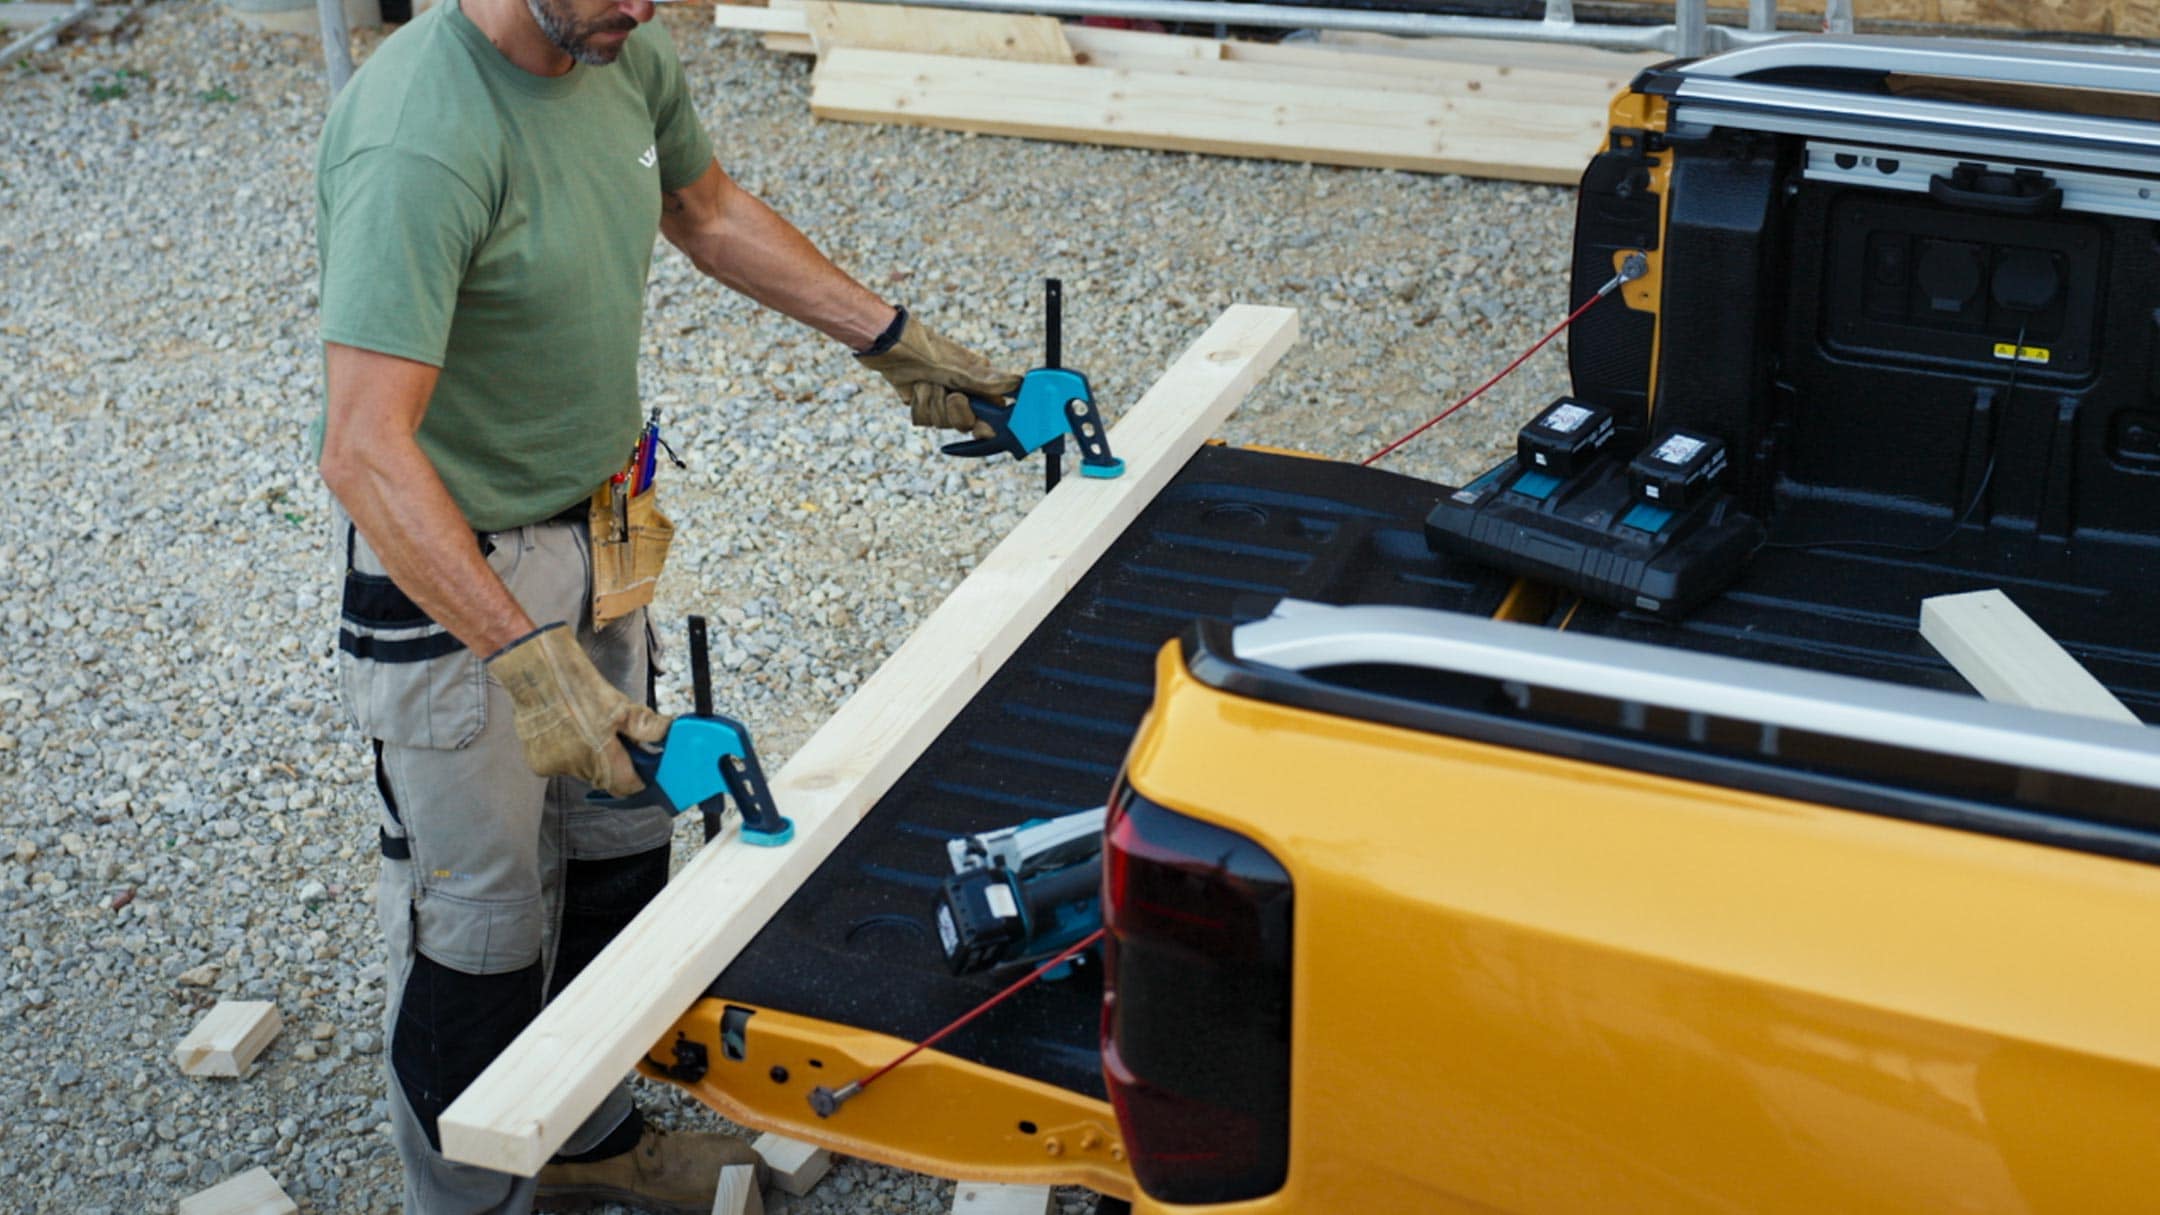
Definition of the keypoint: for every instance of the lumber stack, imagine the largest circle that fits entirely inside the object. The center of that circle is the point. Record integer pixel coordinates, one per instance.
(1529, 113)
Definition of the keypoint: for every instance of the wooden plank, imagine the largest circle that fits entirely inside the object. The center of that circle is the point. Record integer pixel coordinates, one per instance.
(254, 1192)
(737, 1193)
(1527, 141)
(984, 1198)
(1319, 67)
(1549, 56)
(1094, 43)
(1011, 37)
(556, 1072)
(796, 1167)
(227, 1038)
(2008, 658)
(762, 20)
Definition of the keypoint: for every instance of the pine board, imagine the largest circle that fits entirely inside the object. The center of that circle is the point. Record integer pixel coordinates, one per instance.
(1527, 141)
(254, 1192)
(2009, 659)
(226, 1039)
(1012, 37)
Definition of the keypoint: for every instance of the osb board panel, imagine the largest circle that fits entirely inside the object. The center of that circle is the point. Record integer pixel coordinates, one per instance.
(2125, 18)
(2079, 16)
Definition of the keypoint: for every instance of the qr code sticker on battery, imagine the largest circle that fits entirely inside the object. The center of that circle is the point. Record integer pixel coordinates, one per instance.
(1566, 418)
(1678, 449)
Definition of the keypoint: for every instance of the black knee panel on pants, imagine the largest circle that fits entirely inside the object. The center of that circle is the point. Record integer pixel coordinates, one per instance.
(599, 899)
(450, 1026)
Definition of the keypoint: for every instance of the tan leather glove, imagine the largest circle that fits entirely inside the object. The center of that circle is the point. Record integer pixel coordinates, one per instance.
(568, 715)
(934, 375)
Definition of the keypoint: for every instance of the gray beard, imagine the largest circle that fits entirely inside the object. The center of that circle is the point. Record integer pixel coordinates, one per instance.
(570, 39)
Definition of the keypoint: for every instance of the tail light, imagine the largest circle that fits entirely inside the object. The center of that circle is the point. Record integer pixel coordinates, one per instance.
(1196, 1004)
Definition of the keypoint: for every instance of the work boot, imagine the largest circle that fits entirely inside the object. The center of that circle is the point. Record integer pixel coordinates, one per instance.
(666, 1172)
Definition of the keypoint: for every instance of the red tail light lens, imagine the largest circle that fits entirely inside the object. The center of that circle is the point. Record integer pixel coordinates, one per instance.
(1196, 1006)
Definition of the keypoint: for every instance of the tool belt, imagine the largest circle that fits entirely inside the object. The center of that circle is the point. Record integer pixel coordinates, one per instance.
(630, 539)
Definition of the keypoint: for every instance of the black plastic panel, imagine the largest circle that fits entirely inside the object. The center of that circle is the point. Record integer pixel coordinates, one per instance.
(1234, 532)
(1609, 349)
(1720, 308)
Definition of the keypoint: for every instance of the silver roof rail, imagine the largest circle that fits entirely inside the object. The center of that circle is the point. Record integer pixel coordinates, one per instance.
(2124, 70)
(1721, 92)
(1303, 636)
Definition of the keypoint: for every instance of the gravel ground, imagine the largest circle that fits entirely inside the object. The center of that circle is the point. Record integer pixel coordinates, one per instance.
(185, 814)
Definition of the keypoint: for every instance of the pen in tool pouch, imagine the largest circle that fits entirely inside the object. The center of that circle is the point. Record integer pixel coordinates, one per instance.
(648, 452)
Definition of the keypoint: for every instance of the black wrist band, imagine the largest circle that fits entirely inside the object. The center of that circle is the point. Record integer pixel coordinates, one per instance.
(888, 339)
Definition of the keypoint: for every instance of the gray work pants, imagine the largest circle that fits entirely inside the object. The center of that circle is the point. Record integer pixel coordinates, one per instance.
(497, 885)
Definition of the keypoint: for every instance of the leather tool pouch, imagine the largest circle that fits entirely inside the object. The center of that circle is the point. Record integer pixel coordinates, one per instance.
(630, 539)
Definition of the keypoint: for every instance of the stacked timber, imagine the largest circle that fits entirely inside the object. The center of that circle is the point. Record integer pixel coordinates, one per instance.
(1528, 113)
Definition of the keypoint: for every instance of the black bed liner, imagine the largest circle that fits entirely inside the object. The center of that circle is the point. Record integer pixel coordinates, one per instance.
(1235, 531)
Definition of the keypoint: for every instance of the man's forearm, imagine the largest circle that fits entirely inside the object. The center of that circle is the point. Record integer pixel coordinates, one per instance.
(749, 247)
(398, 502)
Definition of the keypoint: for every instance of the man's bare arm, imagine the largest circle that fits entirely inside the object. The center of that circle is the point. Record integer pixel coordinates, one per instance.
(733, 236)
(372, 462)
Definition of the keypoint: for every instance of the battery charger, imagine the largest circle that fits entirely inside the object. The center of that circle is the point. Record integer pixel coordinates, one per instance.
(1596, 533)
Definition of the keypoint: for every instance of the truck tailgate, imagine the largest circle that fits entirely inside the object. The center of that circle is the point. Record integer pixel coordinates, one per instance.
(1234, 531)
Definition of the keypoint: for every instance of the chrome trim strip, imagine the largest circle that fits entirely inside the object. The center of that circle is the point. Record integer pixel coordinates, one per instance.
(1302, 636)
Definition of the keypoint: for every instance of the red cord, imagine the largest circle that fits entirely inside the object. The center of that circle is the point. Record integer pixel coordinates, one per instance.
(984, 1007)
(1524, 357)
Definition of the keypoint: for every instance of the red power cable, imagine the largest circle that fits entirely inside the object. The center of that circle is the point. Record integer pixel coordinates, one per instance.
(832, 1099)
(1524, 357)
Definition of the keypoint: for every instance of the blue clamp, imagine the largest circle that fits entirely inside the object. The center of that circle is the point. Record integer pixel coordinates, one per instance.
(1053, 403)
(704, 760)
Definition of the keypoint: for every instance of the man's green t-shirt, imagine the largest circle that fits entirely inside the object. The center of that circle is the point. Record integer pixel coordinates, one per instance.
(499, 225)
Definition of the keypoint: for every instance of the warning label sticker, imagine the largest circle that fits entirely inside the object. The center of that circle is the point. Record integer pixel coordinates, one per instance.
(2022, 354)
(1566, 418)
(1678, 449)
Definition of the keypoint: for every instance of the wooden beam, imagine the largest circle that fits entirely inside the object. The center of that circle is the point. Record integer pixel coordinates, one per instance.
(254, 1192)
(1308, 65)
(1096, 43)
(227, 1038)
(762, 20)
(984, 1198)
(795, 1166)
(1011, 37)
(530, 1099)
(1551, 56)
(1527, 141)
(738, 1193)
(2008, 658)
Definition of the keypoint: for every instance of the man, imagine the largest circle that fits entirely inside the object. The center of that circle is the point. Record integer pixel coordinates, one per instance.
(489, 188)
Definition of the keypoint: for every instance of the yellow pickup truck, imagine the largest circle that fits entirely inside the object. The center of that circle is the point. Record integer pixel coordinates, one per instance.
(1473, 874)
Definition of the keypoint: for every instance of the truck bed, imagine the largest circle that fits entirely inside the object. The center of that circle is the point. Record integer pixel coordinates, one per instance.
(1233, 532)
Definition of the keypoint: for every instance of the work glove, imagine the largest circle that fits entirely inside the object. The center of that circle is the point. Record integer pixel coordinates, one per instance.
(934, 375)
(568, 715)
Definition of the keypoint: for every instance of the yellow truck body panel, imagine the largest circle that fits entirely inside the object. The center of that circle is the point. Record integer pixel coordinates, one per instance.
(1548, 985)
